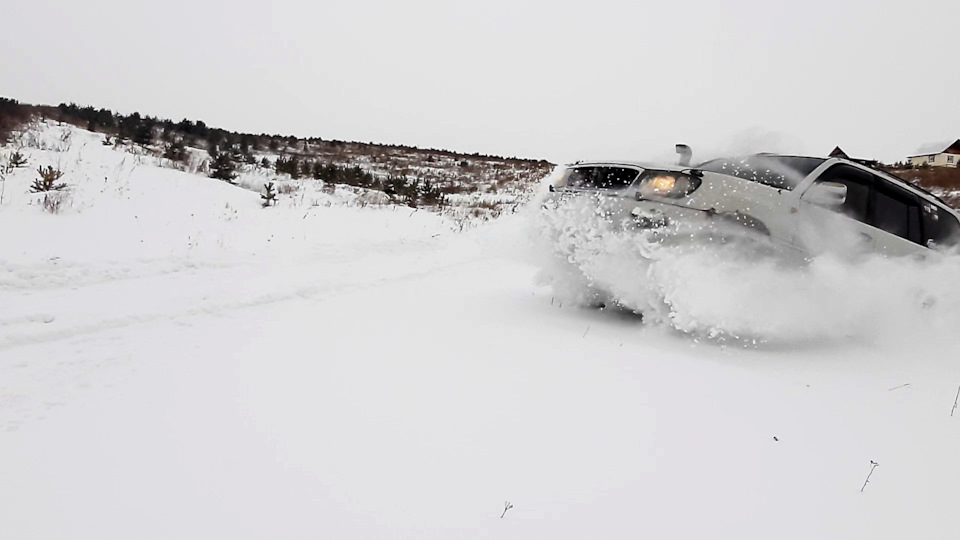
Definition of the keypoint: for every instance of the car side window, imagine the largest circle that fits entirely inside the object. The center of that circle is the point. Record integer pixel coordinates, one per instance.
(896, 211)
(859, 184)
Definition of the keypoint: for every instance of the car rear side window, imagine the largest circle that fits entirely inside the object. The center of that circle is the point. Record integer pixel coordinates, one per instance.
(599, 177)
(897, 212)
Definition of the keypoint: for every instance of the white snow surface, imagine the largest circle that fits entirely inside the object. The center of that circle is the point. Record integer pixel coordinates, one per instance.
(178, 362)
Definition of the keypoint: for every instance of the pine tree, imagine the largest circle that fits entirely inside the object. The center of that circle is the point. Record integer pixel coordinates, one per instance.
(223, 167)
(48, 180)
(17, 160)
(294, 168)
(282, 165)
(143, 134)
(307, 168)
(175, 151)
(269, 196)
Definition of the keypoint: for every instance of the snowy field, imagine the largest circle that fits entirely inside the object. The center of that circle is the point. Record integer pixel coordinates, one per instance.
(178, 362)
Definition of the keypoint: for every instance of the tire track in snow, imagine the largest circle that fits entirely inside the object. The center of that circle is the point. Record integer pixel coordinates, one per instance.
(309, 292)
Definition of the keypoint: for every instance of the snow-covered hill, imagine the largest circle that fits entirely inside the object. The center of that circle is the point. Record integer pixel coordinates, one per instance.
(178, 362)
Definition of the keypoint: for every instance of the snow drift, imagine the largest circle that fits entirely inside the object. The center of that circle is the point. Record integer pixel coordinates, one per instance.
(177, 362)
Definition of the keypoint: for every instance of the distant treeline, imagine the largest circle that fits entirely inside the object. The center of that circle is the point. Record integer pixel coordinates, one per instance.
(13, 115)
(413, 192)
(145, 130)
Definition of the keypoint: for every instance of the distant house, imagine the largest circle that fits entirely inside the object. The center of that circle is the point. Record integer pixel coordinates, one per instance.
(939, 155)
(839, 153)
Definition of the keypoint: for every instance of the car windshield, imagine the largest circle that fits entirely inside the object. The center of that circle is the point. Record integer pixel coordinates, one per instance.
(781, 172)
(598, 177)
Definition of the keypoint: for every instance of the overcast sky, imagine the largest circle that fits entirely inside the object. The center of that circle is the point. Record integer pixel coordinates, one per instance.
(554, 79)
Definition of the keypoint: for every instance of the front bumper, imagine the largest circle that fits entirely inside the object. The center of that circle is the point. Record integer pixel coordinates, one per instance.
(676, 225)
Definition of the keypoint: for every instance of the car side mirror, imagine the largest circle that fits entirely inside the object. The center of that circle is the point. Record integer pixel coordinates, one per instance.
(826, 194)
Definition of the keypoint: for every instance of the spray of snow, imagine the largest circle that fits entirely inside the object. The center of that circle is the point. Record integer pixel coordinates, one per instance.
(722, 291)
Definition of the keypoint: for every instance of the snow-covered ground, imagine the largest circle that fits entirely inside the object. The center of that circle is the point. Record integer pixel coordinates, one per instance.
(177, 362)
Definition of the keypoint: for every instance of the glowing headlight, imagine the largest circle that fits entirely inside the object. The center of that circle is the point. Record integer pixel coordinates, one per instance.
(667, 184)
(662, 185)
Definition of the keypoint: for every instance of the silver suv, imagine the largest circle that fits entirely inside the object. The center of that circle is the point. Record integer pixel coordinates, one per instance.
(806, 205)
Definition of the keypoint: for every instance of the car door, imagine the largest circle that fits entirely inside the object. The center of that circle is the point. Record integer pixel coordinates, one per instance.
(845, 229)
(896, 213)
